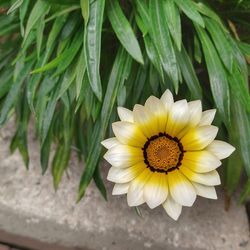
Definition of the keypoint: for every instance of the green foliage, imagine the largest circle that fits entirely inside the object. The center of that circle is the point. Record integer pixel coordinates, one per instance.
(69, 63)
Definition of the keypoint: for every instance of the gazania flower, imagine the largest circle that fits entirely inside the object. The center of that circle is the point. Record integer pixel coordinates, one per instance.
(164, 153)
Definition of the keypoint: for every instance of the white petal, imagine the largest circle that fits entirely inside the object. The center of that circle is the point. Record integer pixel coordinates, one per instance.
(178, 117)
(156, 107)
(195, 111)
(123, 156)
(135, 191)
(145, 120)
(207, 117)
(125, 114)
(120, 188)
(156, 190)
(167, 99)
(220, 148)
(205, 191)
(198, 138)
(172, 208)
(181, 189)
(200, 161)
(211, 178)
(110, 142)
(123, 175)
(129, 133)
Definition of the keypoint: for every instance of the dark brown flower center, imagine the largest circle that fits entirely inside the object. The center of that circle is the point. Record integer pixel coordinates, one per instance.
(163, 153)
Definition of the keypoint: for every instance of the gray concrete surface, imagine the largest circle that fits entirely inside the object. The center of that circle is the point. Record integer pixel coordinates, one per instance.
(30, 207)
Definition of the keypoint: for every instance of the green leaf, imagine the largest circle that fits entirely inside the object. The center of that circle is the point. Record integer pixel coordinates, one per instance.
(84, 93)
(45, 152)
(205, 10)
(241, 129)
(233, 172)
(123, 30)
(42, 98)
(9, 29)
(153, 55)
(64, 59)
(92, 45)
(140, 82)
(239, 86)
(20, 138)
(162, 40)
(48, 114)
(62, 155)
(99, 183)
(59, 164)
(67, 80)
(221, 43)
(239, 60)
(62, 2)
(246, 192)
(13, 92)
(119, 73)
(142, 9)
(22, 13)
(189, 8)
(54, 63)
(143, 28)
(15, 6)
(71, 53)
(80, 71)
(188, 72)
(32, 85)
(197, 49)
(154, 80)
(57, 26)
(173, 21)
(121, 97)
(217, 75)
(39, 35)
(5, 82)
(39, 9)
(138, 211)
(70, 26)
(85, 10)
(245, 48)
(62, 13)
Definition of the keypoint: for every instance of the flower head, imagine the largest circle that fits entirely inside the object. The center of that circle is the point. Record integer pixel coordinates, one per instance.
(164, 153)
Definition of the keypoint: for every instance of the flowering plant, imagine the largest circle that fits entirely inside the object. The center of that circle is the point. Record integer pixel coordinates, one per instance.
(70, 63)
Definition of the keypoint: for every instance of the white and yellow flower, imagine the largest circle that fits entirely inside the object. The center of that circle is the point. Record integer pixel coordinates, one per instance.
(164, 153)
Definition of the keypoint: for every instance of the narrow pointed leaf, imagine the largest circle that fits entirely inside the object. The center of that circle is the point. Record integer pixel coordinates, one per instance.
(119, 73)
(217, 75)
(38, 10)
(233, 172)
(142, 9)
(221, 43)
(241, 129)
(85, 10)
(188, 73)
(92, 45)
(99, 182)
(14, 6)
(13, 93)
(153, 55)
(173, 21)
(162, 40)
(123, 30)
(80, 71)
(189, 8)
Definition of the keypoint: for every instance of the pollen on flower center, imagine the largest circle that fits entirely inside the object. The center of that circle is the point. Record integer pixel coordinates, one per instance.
(162, 153)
